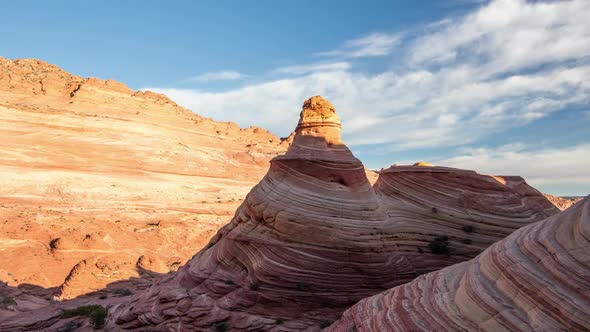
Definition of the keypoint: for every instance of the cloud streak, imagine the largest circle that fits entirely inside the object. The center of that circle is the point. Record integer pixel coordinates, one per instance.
(453, 83)
(373, 45)
(224, 75)
(311, 68)
(550, 170)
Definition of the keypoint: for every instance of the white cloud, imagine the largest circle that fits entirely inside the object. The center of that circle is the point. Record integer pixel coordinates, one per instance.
(375, 44)
(505, 65)
(511, 34)
(224, 75)
(311, 68)
(412, 110)
(550, 170)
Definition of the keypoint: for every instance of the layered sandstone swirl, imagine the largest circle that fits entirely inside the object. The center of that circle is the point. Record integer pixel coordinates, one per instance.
(314, 237)
(537, 279)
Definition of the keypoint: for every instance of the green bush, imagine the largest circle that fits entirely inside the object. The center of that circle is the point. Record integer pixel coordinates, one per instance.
(221, 326)
(254, 286)
(467, 241)
(6, 300)
(468, 229)
(439, 245)
(96, 313)
(303, 286)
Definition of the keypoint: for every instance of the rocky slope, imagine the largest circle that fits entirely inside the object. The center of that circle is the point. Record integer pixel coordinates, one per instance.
(313, 237)
(537, 279)
(100, 182)
(563, 203)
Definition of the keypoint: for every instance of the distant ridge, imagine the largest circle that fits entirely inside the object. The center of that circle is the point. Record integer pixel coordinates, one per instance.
(103, 178)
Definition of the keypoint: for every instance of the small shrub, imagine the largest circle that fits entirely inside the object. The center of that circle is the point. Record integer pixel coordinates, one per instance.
(420, 250)
(122, 291)
(96, 313)
(467, 241)
(229, 282)
(434, 210)
(221, 326)
(103, 296)
(254, 286)
(468, 229)
(439, 245)
(54, 243)
(303, 286)
(279, 321)
(6, 301)
(325, 324)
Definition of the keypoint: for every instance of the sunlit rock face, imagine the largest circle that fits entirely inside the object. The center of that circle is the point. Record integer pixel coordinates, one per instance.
(563, 203)
(537, 279)
(91, 171)
(472, 210)
(314, 237)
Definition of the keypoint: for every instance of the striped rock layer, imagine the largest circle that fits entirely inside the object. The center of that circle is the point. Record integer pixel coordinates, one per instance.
(97, 179)
(314, 237)
(537, 279)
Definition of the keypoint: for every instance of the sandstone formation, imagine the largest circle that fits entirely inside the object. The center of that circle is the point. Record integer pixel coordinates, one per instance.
(92, 171)
(314, 237)
(537, 279)
(563, 203)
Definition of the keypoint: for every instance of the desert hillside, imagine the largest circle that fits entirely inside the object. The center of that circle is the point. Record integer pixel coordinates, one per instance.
(536, 279)
(95, 173)
(563, 203)
(314, 236)
(105, 188)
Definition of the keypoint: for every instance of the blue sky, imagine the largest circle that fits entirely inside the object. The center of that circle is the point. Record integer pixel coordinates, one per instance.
(500, 87)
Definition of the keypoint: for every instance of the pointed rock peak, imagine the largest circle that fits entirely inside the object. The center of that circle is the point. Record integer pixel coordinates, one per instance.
(317, 110)
(317, 135)
(318, 118)
(318, 151)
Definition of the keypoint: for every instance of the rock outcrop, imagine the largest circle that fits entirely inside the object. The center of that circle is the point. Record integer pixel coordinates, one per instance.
(91, 170)
(537, 279)
(314, 237)
(563, 203)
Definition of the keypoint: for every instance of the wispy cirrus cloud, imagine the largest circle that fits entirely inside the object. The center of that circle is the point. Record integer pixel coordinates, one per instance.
(509, 34)
(564, 169)
(313, 68)
(375, 44)
(224, 75)
(434, 99)
(457, 82)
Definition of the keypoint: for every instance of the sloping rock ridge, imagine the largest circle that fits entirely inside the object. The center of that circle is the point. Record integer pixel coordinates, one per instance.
(95, 175)
(563, 203)
(537, 279)
(314, 237)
